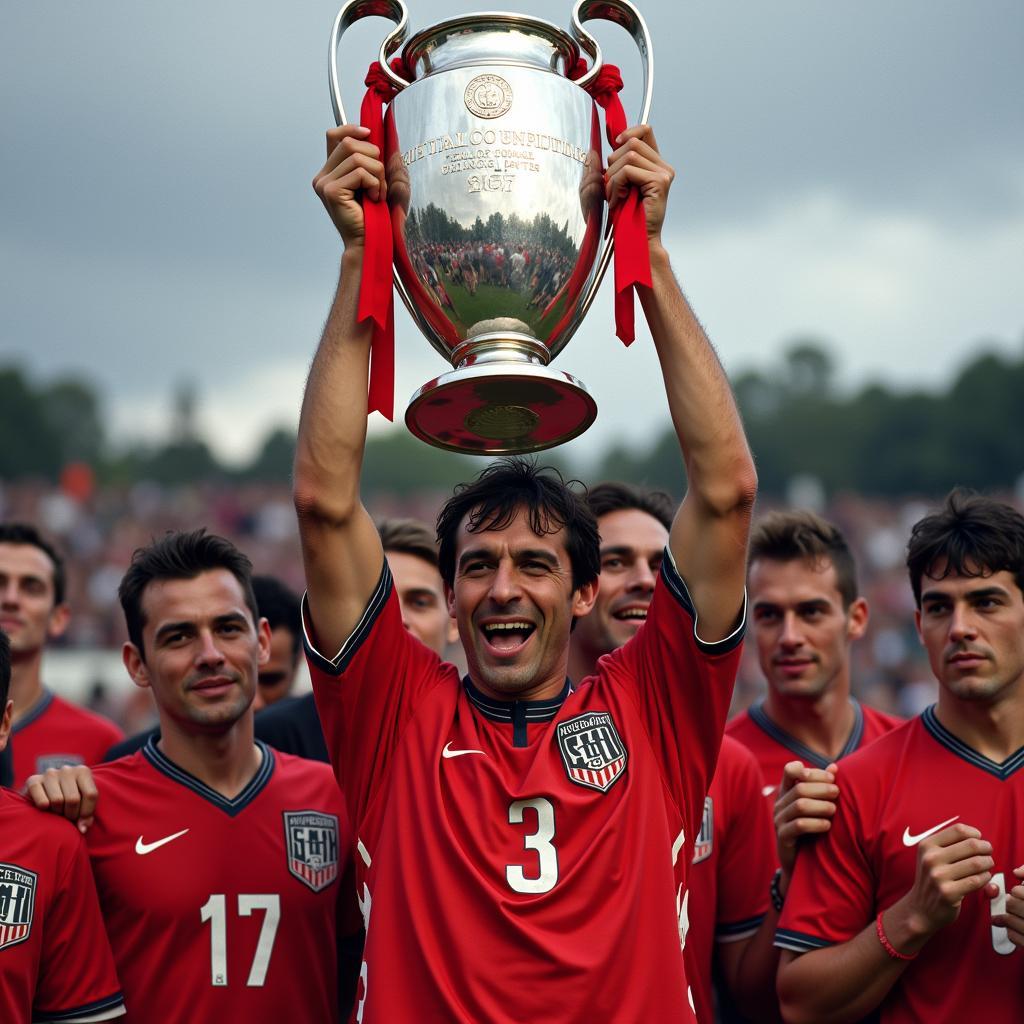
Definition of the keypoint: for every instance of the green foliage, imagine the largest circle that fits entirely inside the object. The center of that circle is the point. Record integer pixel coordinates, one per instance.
(875, 442)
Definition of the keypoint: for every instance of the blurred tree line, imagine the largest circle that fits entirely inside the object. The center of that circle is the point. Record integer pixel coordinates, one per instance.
(875, 441)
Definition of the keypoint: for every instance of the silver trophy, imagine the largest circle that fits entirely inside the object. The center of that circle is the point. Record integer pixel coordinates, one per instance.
(494, 159)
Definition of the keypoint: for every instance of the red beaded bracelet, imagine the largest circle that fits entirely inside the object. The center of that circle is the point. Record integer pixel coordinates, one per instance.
(887, 945)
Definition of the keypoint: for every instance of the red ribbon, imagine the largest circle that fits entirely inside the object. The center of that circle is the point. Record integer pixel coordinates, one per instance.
(632, 254)
(376, 296)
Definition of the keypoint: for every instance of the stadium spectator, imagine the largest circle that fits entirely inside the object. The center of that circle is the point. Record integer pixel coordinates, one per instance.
(523, 806)
(220, 863)
(731, 930)
(55, 960)
(47, 731)
(903, 907)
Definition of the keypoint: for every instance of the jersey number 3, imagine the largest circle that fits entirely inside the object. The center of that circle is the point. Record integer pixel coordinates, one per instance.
(214, 910)
(544, 873)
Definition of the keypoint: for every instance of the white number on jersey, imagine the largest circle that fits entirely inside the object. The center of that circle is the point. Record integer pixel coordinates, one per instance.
(215, 911)
(1000, 938)
(547, 868)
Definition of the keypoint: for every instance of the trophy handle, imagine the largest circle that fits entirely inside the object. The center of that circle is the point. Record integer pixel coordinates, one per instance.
(350, 13)
(623, 13)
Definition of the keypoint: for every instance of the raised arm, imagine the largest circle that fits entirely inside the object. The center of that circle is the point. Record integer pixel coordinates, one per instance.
(709, 535)
(341, 550)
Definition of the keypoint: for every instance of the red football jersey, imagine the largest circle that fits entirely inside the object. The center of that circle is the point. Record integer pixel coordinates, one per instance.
(56, 732)
(774, 747)
(223, 910)
(55, 962)
(525, 860)
(906, 786)
(733, 861)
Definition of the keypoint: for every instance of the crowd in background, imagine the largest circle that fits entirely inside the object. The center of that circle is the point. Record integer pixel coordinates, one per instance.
(100, 532)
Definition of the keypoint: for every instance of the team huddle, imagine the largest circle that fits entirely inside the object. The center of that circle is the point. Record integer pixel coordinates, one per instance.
(568, 831)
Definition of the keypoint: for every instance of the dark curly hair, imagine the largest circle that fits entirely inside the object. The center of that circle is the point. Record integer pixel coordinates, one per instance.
(550, 503)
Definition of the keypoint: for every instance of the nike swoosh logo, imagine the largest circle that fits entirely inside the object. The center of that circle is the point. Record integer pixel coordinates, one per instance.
(448, 752)
(142, 848)
(909, 840)
(767, 790)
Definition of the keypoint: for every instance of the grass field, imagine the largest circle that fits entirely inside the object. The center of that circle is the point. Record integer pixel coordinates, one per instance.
(489, 299)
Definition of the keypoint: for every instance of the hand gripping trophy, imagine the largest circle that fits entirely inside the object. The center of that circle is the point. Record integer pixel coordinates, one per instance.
(495, 219)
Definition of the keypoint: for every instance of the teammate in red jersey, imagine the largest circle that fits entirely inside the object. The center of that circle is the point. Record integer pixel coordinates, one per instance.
(217, 859)
(523, 843)
(733, 855)
(806, 614)
(55, 962)
(47, 731)
(902, 906)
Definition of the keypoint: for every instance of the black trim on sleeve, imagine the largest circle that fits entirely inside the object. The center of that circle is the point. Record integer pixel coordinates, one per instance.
(800, 942)
(736, 930)
(1002, 770)
(336, 665)
(102, 1009)
(677, 588)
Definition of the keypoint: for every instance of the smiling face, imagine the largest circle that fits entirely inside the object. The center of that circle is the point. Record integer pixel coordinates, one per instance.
(514, 602)
(973, 630)
(28, 612)
(802, 631)
(202, 650)
(632, 546)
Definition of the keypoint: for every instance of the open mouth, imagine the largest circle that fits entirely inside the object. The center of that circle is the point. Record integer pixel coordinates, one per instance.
(634, 613)
(507, 637)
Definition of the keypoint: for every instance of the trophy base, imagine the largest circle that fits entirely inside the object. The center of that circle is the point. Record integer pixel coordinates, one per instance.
(500, 408)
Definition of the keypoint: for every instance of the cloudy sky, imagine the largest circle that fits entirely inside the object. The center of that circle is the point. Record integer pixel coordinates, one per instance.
(848, 171)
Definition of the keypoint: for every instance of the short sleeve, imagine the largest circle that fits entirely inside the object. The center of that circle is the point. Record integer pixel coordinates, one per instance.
(747, 858)
(367, 692)
(77, 980)
(831, 896)
(682, 687)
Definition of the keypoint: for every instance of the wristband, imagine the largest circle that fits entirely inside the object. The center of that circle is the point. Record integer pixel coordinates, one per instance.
(887, 945)
(775, 891)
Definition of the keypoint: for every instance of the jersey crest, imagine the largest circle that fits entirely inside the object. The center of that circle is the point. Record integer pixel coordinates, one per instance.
(312, 845)
(17, 902)
(706, 839)
(592, 751)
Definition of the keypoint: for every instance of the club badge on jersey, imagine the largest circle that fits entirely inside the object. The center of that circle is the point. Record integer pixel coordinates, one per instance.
(56, 761)
(312, 841)
(592, 750)
(706, 840)
(17, 901)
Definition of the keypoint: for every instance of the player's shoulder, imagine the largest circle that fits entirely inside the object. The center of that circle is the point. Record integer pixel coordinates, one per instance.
(48, 834)
(740, 728)
(878, 723)
(85, 719)
(125, 770)
(292, 769)
(877, 760)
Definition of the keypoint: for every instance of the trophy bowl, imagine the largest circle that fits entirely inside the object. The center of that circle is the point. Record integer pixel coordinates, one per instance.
(495, 165)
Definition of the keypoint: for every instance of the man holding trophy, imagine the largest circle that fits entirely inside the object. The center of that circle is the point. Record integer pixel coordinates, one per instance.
(523, 840)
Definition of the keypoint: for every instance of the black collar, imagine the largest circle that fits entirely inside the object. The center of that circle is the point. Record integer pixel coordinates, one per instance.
(518, 712)
(1001, 770)
(163, 764)
(760, 718)
(35, 714)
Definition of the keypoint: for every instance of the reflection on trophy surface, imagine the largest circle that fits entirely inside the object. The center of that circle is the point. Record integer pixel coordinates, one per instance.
(494, 159)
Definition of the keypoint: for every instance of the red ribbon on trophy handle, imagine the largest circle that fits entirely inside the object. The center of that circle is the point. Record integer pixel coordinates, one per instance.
(632, 254)
(376, 294)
